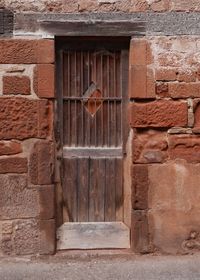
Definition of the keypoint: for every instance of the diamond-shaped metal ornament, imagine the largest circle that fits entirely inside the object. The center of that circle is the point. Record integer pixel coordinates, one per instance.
(92, 99)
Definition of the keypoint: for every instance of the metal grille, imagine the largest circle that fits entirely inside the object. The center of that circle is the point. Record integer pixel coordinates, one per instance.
(92, 99)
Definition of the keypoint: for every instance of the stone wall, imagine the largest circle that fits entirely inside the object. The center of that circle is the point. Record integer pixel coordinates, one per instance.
(27, 223)
(73, 6)
(164, 113)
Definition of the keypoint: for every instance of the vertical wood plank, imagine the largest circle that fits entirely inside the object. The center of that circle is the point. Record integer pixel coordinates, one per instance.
(78, 74)
(83, 189)
(118, 124)
(98, 125)
(118, 75)
(105, 123)
(102, 107)
(73, 121)
(101, 180)
(79, 120)
(110, 214)
(96, 193)
(70, 188)
(93, 187)
(66, 123)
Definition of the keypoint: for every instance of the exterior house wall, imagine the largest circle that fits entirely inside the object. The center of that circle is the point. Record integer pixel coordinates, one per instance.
(164, 115)
(165, 88)
(74, 6)
(27, 223)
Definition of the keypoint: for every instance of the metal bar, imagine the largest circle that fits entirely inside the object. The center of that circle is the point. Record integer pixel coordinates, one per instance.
(121, 90)
(68, 93)
(102, 132)
(95, 120)
(114, 80)
(97, 98)
(115, 94)
(104, 191)
(115, 112)
(88, 81)
(68, 73)
(82, 112)
(69, 121)
(108, 94)
(75, 89)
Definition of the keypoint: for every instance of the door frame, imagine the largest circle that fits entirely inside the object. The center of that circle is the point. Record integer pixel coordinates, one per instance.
(61, 43)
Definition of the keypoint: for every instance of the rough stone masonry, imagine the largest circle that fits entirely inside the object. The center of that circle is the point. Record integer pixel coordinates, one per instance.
(164, 115)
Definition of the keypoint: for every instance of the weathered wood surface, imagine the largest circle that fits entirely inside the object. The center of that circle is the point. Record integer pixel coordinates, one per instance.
(91, 28)
(83, 190)
(91, 24)
(6, 23)
(71, 152)
(96, 190)
(164, 23)
(93, 236)
(93, 189)
(93, 97)
(70, 188)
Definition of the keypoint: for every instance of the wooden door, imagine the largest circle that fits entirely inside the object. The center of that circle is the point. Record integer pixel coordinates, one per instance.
(93, 122)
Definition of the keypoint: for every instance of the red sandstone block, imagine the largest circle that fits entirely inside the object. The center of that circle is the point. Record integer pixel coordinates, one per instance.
(198, 74)
(33, 237)
(139, 6)
(46, 202)
(174, 206)
(162, 89)
(17, 200)
(158, 114)
(45, 51)
(140, 52)
(184, 90)
(140, 234)
(22, 118)
(41, 167)
(140, 187)
(180, 5)
(44, 84)
(138, 81)
(13, 165)
(149, 147)
(187, 76)
(142, 83)
(160, 6)
(47, 237)
(10, 148)
(141, 76)
(23, 51)
(150, 89)
(16, 85)
(166, 74)
(171, 59)
(185, 147)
